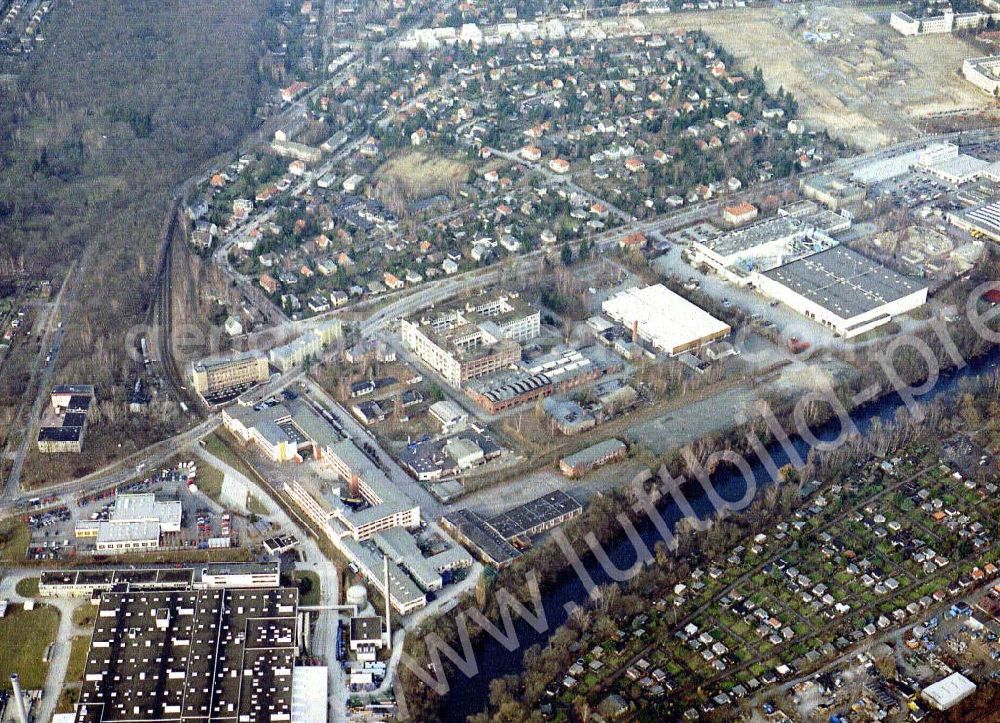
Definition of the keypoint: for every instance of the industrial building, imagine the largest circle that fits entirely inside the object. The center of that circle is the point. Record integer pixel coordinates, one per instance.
(474, 531)
(436, 459)
(137, 522)
(449, 415)
(91, 583)
(66, 438)
(597, 455)
(843, 290)
(291, 430)
(370, 503)
(944, 161)
(491, 540)
(948, 692)
(981, 220)
(63, 428)
(669, 323)
(191, 654)
(70, 397)
(534, 517)
(367, 636)
(554, 373)
(244, 575)
(769, 243)
(569, 417)
(400, 547)
(832, 191)
(219, 377)
(472, 339)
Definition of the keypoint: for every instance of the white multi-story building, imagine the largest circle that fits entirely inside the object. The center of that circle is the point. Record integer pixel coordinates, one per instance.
(984, 73)
(474, 339)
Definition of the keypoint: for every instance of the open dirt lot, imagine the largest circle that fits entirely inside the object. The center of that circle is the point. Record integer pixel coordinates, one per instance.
(417, 175)
(858, 79)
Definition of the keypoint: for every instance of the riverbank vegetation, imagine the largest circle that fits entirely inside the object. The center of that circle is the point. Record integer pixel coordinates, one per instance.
(516, 696)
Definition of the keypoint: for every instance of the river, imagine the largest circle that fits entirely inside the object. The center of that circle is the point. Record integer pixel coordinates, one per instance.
(495, 661)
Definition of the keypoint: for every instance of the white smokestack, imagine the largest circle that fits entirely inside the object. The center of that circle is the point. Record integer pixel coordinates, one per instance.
(388, 600)
(22, 714)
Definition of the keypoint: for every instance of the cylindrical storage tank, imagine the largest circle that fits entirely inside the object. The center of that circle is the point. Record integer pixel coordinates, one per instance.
(357, 595)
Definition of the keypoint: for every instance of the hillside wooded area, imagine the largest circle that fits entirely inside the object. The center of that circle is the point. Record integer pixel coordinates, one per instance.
(121, 103)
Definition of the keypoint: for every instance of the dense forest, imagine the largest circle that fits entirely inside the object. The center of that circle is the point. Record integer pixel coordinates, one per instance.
(121, 103)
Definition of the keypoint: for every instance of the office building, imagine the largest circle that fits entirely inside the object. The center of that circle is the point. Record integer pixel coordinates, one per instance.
(223, 376)
(309, 346)
(833, 191)
(473, 339)
(291, 430)
(136, 523)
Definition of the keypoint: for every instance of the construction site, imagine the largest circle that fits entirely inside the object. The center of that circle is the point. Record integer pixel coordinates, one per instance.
(850, 72)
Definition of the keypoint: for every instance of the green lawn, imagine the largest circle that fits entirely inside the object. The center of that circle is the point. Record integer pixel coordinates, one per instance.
(209, 479)
(27, 587)
(85, 615)
(220, 447)
(14, 539)
(255, 506)
(25, 637)
(74, 674)
(77, 659)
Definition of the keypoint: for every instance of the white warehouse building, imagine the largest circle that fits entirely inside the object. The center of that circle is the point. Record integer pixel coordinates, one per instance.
(843, 290)
(668, 322)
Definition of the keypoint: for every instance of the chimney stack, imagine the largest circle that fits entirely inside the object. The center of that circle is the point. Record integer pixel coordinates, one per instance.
(388, 599)
(635, 331)
(22, 714)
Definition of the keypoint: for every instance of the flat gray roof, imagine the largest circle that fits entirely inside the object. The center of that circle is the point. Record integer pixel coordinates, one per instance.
(526, 519)
(594, 452)
(844, 281)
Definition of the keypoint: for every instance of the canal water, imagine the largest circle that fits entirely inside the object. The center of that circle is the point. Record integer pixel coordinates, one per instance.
(469, 696)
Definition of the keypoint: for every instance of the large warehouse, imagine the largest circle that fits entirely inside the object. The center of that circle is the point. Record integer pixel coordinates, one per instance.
(844, 290)
(665, 320)
(769, 243)
(162, 656)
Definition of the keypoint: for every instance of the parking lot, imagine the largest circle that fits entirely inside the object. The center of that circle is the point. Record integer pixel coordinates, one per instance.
(53, 530)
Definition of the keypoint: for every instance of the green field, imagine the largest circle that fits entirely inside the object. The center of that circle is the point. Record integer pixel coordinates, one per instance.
(220, 447)
(27, 587)
(74, 674)
(209, 479)
(85, 615)
(25, 636)
(14, 538)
